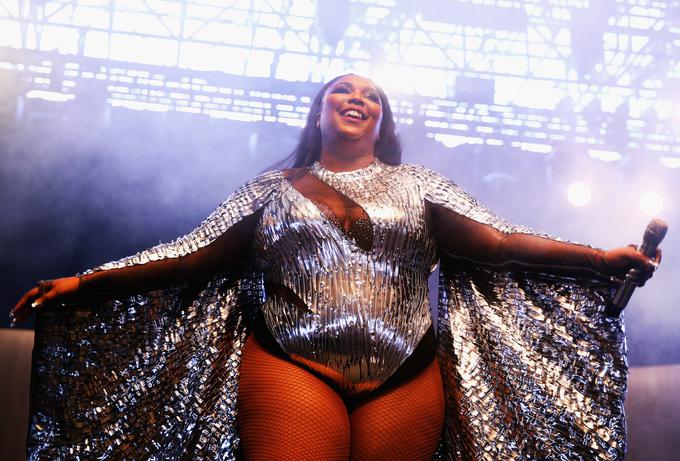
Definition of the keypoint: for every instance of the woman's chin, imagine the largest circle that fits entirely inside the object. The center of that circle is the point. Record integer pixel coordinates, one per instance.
(355, 135)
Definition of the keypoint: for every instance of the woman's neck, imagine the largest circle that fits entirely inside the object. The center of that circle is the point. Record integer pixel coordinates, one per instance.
(345, 161)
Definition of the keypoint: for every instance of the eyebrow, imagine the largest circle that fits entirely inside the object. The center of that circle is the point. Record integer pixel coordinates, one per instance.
(372, 88)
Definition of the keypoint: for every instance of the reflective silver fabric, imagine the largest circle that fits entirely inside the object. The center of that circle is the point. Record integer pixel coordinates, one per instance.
(532, 367)
(366, 310)
(150, 376)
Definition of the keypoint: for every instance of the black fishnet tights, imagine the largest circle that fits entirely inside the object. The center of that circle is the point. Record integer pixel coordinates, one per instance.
(288, 413)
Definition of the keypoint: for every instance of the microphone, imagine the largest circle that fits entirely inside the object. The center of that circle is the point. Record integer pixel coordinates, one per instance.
(654, 234)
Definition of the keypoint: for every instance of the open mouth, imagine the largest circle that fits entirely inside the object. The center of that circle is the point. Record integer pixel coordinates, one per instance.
(354, 114)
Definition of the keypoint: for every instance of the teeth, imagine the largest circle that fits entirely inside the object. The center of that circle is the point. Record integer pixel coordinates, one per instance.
(354, 113)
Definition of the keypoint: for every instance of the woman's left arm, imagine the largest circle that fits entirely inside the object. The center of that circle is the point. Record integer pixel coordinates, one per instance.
(462, 237)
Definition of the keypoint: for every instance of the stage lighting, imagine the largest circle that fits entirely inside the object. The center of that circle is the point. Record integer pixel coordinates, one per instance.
(605, 155)
(651, 203)
(53, 96)
(578, 193)
(670, 162)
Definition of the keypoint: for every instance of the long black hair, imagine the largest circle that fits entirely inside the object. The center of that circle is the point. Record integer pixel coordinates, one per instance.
(308, 148)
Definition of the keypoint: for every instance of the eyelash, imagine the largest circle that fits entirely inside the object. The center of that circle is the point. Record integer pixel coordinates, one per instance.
(373, 97)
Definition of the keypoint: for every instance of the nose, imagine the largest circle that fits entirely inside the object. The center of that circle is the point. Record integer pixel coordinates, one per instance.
(356, 100)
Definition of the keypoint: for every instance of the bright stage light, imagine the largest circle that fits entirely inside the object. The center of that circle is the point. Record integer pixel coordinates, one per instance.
(671, 162)
(578, 194)
(651, 203)
(605, 155)
(53, 96)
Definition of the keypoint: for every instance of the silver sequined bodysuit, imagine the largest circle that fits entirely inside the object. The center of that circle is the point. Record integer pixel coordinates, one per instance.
(351, 305)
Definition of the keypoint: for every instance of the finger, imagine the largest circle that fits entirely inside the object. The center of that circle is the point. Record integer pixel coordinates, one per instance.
(47, 298)
(637, 279)
(21, 315)
(32, 293)
(652, 262)
(27, 310)
(18, 317)
(640, 277)
(643, 279)
(22, 310)
(37, 304)
(643, 261)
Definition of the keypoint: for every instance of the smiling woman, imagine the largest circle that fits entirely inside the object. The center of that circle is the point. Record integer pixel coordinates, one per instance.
(351, 111)
(387, 146)
(294, 323)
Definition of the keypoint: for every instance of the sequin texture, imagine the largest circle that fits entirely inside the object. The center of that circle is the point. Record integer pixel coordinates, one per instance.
(368, 304)
(533, 369)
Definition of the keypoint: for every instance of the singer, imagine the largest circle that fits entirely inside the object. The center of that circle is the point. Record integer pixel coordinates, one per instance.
(294, 323)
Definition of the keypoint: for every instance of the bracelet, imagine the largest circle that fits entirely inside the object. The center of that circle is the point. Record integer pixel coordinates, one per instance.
(44, 286)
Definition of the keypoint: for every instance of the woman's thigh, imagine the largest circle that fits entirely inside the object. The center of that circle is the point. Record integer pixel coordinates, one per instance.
(285, 412)
(403, 421)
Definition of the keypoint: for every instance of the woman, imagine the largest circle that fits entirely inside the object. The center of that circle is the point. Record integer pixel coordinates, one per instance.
(336, 360)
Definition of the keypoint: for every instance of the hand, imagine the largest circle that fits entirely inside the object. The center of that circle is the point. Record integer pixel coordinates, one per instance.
(45, 292)
(621, 260)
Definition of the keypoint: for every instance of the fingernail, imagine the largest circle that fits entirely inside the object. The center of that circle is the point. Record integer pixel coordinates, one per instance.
(34, 304)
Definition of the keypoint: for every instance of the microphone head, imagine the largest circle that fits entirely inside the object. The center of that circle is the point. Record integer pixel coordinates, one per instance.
(655, 232)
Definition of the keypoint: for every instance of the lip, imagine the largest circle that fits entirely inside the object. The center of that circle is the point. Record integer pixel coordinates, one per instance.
(364, 115)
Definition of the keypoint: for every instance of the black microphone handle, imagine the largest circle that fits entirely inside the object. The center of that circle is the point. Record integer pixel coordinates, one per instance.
(622, 295)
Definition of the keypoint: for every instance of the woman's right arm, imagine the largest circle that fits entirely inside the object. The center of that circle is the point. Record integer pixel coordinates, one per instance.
(229, 249)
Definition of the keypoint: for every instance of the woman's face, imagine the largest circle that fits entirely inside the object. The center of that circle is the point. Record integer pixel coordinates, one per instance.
(351, 109)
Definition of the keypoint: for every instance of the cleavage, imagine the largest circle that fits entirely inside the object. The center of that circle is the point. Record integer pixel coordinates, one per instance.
(340, 210)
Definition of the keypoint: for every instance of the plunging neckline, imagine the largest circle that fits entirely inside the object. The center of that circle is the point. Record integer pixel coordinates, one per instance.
(360, 231)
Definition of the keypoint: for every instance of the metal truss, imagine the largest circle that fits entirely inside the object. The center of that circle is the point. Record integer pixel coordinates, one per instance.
(377, 31)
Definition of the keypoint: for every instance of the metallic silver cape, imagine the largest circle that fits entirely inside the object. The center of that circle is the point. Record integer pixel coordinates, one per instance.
(533, 369)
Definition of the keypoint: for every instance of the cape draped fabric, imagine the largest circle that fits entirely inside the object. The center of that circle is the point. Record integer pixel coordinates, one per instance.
(532, 367)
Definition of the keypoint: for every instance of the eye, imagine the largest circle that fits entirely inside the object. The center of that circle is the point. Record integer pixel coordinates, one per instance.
(340, 89)
(373, 97)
